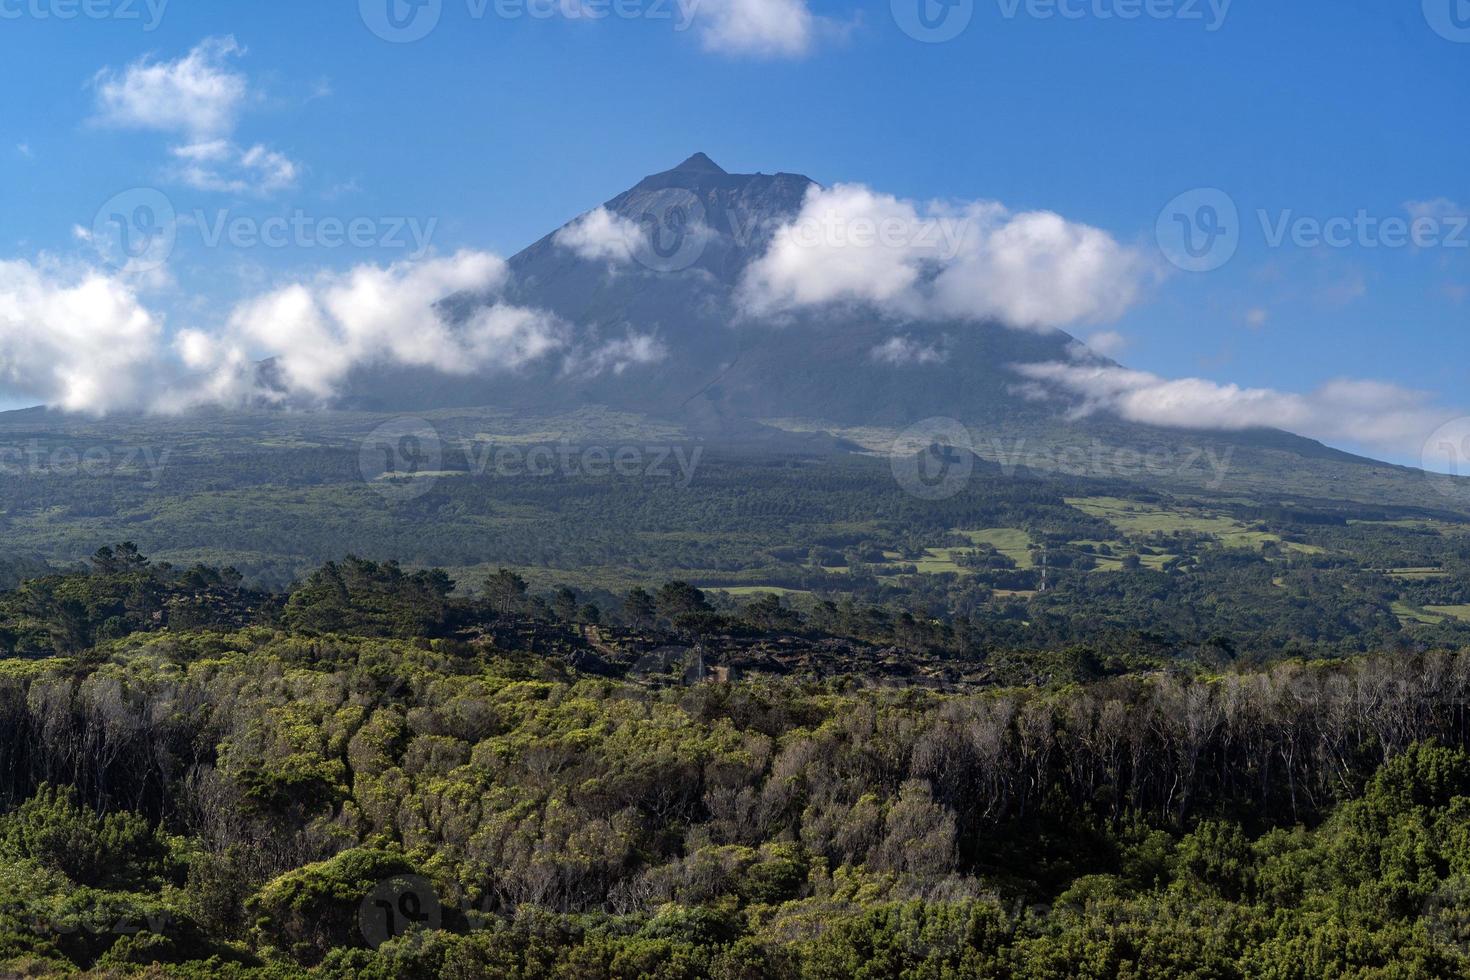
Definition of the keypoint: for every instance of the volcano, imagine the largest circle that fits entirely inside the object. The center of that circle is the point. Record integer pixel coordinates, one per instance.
(677, 292)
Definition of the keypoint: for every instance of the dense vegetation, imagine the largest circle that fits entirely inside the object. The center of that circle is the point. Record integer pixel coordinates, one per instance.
(200, 779)
(1156, 570)
(785, 720)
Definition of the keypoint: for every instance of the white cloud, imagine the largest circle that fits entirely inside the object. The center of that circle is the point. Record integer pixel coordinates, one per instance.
(616, 356)
(763, 28)
(601, 235)
(219, 165)
(199, 96)
(848, 244)
(1108, 343)
(1367, 413)
(1039, 270)
(1437, 209)
(74, 338)
(24, 149)
(320, 331)
(979, 261)
(904, 350)
(1257, 317)
(80, 340)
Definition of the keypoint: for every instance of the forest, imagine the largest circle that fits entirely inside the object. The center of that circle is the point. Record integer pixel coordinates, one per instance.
(355, 779)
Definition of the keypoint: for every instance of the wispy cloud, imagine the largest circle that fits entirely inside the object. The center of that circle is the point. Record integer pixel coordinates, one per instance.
(761, 28)
(615, 356)
(1437, 209)
(319, 331)
(218, 165)
(198, 98)
(1107, 343)
(199, 95)
(1375, 414)
(601, 236)
(904, 350)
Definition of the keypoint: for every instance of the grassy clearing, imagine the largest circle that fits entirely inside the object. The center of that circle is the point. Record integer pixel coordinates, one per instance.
(1135, 519)
(1119, 551)
(1439, 527)
(1009, 541)
(1410, 614)
(421, 475)
(937, 561)
(1013, 543)
(1115, 563)
(744, 591)
(1454, 612)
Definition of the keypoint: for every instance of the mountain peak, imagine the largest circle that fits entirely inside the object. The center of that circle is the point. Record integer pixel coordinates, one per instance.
(699, 163)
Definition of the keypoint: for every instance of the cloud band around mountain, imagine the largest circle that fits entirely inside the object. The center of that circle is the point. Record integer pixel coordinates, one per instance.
(1374, 414)
(978, 261)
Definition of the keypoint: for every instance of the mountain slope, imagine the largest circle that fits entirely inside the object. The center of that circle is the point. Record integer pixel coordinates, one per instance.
(850, 371)
(681, 290)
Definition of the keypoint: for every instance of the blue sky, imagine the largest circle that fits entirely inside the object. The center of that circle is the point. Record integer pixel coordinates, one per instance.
(498, 126)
